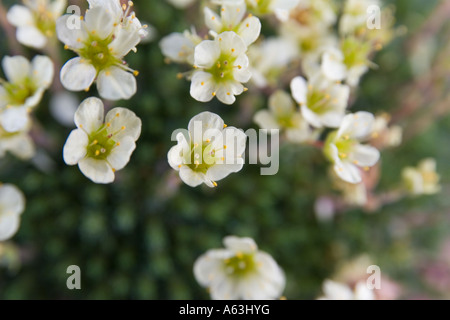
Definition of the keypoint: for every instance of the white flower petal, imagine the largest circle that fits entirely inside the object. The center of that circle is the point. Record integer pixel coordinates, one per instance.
(206, 54)
(124, 42)
(20, 145)
(120, 155)
(75, 147)
(89, 115)
(115, 83)
(99, 22)
(177, 48)
(236, 244)
(220, 171)
(249, 30)
(123, 122)
(77, 74)
(265, 120)
(14, 119)
(42, 71)
(205, 120)
(174, 156)
(311, 117)
(191, 178)
(9, 224)
(231, 42)
(299, 89)
(336, 291)
(212, 20)
(206, 267)
(332, 119)
(20, 16)
(16, 68)
(281, 104)
(332, 65)
(31, 36)
(357, 125)
(364, 156)
(99, 171)
(71, 31)
(12, 199)
(348, 172)
(202, 86)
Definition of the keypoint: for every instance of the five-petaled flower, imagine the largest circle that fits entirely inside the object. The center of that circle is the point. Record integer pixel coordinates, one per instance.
(23, 90)
(240, 271)
(107, 33)
(101, 147)
(222, 67)
(343, 147)
(208, 152)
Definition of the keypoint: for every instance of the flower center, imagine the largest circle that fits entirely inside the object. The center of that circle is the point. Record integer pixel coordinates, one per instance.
(318, 101)
(202, 157)
(241, 264)
(45, 21)
(355, 52)
(19, 92)
(223, 70)
(261, 7)
(97, 52)
(100, 144)
(344, 145)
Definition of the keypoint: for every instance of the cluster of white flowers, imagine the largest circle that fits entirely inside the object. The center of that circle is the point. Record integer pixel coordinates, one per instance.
(423, 179)
(239, 271)
(102, 38)
(221, 65)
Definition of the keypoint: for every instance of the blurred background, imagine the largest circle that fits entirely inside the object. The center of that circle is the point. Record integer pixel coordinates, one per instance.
(139, 237)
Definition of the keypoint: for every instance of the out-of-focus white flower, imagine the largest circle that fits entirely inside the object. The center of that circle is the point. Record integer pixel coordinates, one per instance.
(181, 4)
(337, 291)
(323, 102)
(36, 21)
(388, 136)
(209, 152)
(313, 14)
(280, 8)
(63, 106)
(23, 90)
(348, 63)
(12, 205)
(283, 115)
(179, 47)
(232, 19)
(343, 147)
(107, 33)
(355, 15)
(423, 179)
(270, 58)
(354, 194)
(19, 143)
(240, 271)
(222, 66)
(101, 146)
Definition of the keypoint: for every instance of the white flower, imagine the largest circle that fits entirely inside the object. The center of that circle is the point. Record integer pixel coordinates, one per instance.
(344, 149)
(36, 21)
(423, 179)
(355, 15)
(222, 68)
(354, 194)
(23, 90)
(232, 19)
(338, 291)
(179, 47)
(240, 271)
(348, 63)
(106, 35)
(323, 103)
(280, 8)
(270, 58)
(101, 146)
(12, 204)
(208, 152)
(19, 143)
(282, 114)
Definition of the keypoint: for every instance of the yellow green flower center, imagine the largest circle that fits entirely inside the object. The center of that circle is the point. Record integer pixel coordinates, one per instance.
(344, 145)
(98, 53)
(100, 144)
(18, 93)
(240, 265)
(222, 70)
(355, 52)
(202, 157)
